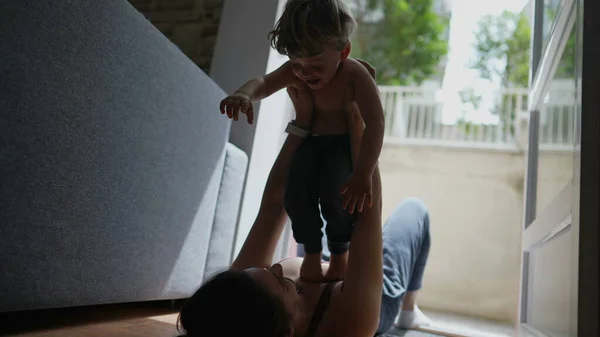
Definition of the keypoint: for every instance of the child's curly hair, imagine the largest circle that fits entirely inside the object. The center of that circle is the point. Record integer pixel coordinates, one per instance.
(306, 27)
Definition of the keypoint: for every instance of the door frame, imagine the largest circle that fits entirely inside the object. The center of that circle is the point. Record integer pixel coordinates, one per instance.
(556, 219)
(587, 158)
(578, 204)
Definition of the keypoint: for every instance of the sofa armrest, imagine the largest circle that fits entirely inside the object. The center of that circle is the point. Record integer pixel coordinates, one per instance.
(226, 213)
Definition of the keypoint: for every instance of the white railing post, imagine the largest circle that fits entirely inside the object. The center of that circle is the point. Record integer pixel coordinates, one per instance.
(400, 122)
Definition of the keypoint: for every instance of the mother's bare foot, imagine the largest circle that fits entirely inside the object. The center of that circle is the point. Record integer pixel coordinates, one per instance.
(411, 319)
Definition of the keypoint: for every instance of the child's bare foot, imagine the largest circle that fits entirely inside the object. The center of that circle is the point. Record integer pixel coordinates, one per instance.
(311, 268)
(337, 267)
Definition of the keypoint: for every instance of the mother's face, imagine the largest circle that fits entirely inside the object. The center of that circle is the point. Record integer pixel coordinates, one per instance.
(280, 285)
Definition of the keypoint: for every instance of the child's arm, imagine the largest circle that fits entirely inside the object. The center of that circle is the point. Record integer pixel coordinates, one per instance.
(369, 104)
(255, 90)
(355, 120)
(357, 128)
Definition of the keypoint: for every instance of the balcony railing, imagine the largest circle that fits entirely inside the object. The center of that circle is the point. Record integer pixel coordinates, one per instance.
(415, 116)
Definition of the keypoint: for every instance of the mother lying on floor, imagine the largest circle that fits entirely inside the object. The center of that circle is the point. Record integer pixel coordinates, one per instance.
(257, 298)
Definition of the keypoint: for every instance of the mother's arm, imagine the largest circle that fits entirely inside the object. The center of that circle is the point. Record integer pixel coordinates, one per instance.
(260, 245)
(363, 281)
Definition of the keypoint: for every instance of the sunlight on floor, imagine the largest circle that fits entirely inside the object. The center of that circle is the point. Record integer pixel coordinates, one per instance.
(170, 318)
(460, 325)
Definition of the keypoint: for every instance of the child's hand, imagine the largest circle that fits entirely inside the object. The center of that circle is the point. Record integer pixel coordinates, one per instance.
(236, 103)
(357, 191)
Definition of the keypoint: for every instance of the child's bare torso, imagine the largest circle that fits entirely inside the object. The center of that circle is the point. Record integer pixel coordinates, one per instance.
(332, 104)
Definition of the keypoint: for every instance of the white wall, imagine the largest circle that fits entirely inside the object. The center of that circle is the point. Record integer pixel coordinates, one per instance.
(243, 51)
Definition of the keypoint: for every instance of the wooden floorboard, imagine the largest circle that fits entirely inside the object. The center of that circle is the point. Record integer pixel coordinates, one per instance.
(131, 320)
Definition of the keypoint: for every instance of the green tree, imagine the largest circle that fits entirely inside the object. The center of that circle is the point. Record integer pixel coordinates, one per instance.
(403, 39)
(502, 53)
(566, 66)
(502, 49)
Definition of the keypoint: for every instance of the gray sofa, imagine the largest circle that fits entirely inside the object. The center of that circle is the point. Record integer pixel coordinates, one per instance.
(117, 181)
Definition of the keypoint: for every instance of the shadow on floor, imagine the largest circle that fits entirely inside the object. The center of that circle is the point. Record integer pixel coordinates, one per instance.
(30, 322)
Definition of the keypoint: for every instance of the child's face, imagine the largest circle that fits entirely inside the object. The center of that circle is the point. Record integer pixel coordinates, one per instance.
(316, 71)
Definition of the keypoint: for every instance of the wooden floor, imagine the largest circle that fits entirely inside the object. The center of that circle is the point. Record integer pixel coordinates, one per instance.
(158, 319)
(130, 320)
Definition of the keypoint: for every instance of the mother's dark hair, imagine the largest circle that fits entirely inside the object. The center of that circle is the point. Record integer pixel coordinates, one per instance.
(232, 303)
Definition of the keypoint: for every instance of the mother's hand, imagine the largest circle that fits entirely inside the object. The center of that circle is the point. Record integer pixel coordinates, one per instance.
(369, 67)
